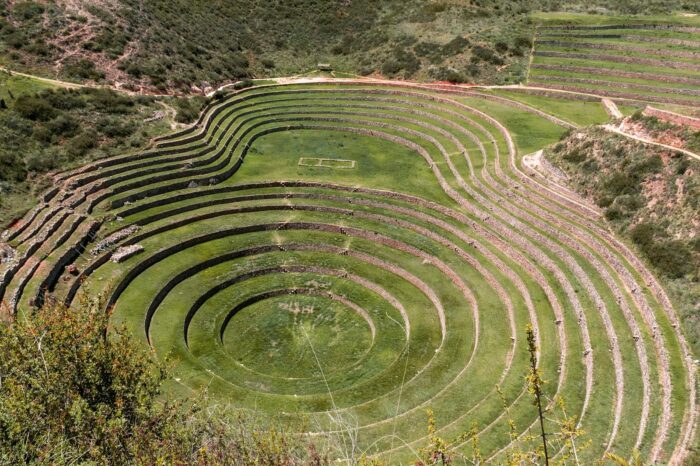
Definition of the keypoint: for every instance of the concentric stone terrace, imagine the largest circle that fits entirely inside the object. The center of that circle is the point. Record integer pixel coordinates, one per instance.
(350, 297)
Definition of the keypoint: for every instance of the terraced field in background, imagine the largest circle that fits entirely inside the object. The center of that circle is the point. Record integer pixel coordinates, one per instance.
(631, 59)
(349, 299)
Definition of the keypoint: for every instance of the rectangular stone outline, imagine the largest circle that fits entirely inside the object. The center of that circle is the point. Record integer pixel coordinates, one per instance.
(326, 163)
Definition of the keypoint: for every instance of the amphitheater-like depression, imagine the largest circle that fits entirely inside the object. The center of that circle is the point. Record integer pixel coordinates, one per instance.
(347, 298)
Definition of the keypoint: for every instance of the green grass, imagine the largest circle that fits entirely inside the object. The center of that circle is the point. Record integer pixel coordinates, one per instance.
(13, 86)
(579, 112)
(303, 354)
(662, 51)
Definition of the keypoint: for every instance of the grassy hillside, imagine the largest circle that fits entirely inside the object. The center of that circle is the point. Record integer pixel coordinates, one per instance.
(185, 45)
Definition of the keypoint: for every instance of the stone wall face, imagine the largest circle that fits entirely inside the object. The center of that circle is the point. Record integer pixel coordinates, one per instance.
(674, 118)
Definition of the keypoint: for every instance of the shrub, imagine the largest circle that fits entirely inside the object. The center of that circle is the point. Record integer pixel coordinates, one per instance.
(63, 99)
(27, 10)
(97, 399)
(188, 109)
(575, 155)
(108, 101)
(113, 127)
(670, 257)
(455, 46)
(620, 183)
(34, 108)
(243, 84)
(391, 67)
(63, 125)
(427, 49)
(83, 69)
(643, 234)
(522, 42)
(11, 168)
(82, 143)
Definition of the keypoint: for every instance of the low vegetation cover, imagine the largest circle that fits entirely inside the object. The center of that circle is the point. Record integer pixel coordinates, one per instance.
(76, 390)
(313, 271)
(46, 128)
(348, 299)
(186, 45)
(651, 195)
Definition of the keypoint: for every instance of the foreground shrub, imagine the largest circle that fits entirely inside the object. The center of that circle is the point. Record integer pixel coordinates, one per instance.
(73, 390)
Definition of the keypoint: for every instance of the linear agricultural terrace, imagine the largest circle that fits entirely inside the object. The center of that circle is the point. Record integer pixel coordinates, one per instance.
(629, 58)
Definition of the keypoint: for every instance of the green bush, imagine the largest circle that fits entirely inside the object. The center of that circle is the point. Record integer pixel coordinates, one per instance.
(188, 109)
(455, 46)
(83, 69)
(243, 84)
(28, 10)
(82, 143)
(114, 127)
(75, 390)
(34, 108)
(63, 126)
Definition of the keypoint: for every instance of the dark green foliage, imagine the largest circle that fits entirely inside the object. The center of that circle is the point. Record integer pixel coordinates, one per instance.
(642, 199)
(455, 46)
(115, 127)
(427, 49)
(575, 156)
(448, 74)
(83, 69)
(188, 109)
(34, 108)
(402, 60)
(522, 42)
(82, 143)
(53, 128)
(179, 44)
(672, 257)
(243, 84)
(63, 125)
(28, 10)
(480, 53)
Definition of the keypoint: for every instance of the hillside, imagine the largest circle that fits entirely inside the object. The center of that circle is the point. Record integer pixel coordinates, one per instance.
(187, 46)
(44, 127)
(650, 195)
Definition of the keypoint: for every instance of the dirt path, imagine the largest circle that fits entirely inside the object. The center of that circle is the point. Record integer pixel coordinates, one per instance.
(54, 82)
(611, 108)
(616, 130)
